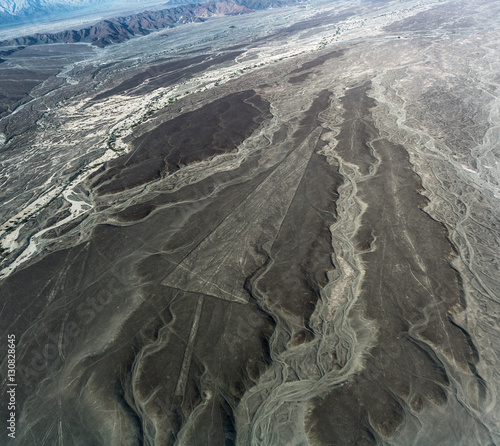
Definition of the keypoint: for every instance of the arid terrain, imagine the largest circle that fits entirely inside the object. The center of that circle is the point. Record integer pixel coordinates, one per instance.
(276, 228)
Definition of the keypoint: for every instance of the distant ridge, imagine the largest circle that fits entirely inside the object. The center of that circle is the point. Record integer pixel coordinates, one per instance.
(119, 29)
(15, 10)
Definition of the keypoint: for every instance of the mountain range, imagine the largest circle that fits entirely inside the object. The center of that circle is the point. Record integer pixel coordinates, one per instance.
(118, 29)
